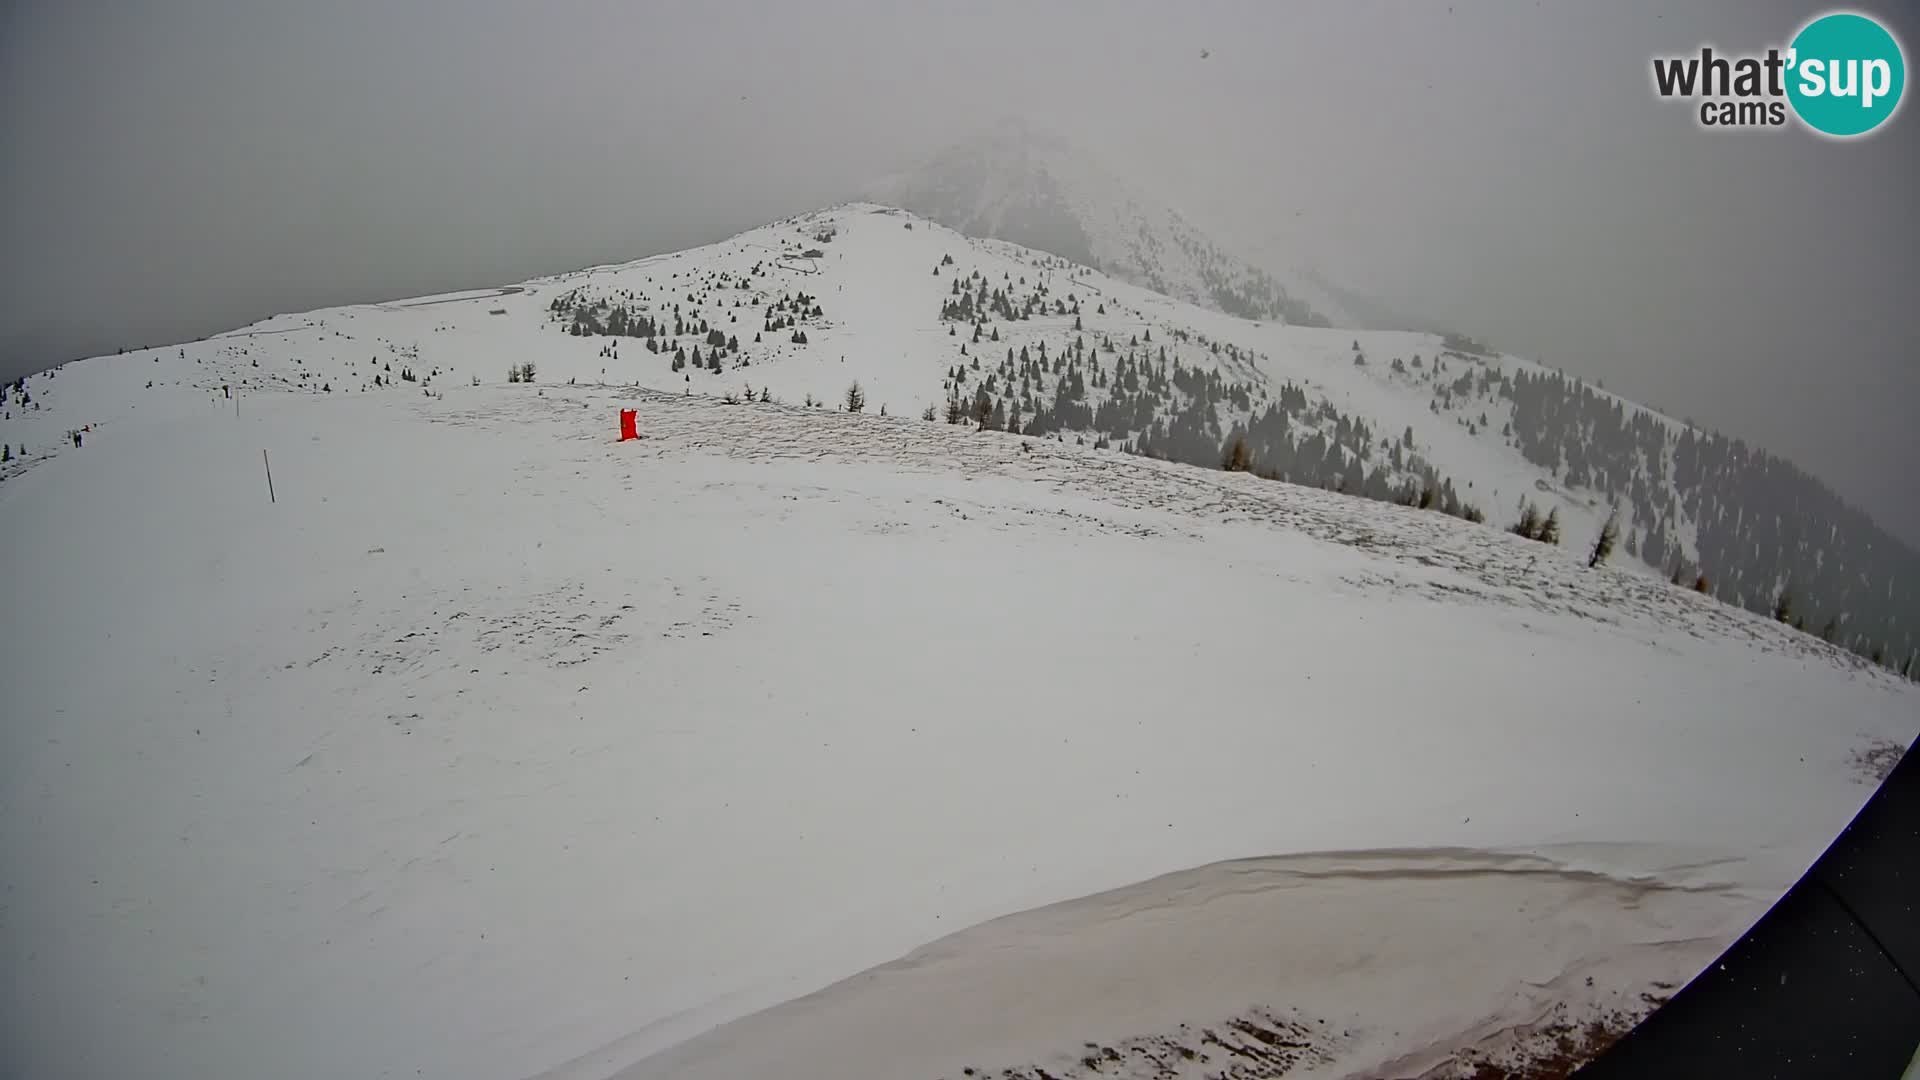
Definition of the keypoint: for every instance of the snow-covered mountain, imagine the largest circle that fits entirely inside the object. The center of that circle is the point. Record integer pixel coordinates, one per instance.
(932, 321)
(372, 711)
(1039, 190)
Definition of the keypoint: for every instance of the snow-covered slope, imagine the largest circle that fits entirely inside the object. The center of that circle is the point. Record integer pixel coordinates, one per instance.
(1039, 190)
(492, 747)
(879, 281)
(927, 319)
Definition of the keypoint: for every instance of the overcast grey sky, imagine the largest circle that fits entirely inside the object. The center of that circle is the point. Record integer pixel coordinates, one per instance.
(172, 169)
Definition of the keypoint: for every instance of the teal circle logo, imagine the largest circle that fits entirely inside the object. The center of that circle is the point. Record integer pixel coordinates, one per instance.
(1845, 74)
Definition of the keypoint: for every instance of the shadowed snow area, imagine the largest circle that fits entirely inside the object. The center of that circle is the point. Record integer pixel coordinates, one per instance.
(1384, 963)
(495, 745)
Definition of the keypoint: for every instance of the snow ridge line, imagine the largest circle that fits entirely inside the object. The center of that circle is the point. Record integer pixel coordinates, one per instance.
(1197, 886)
(1311, 1001)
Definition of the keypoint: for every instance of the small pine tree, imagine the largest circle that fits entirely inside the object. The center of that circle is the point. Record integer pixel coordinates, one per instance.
(856, 398)
(1603, 545)
(1550, 528)
(1237, 458)
(1529, 523)
(928, 415)
(1783, 605)
(955, 411)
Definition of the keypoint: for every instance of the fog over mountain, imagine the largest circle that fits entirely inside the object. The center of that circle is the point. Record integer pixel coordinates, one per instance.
(1085, 540)
(175, 170)
(1039, 190)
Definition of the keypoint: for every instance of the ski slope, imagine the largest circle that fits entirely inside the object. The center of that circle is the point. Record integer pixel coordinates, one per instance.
(492, 747)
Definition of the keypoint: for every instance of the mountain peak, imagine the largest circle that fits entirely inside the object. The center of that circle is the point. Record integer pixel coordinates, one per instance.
(1037, 188)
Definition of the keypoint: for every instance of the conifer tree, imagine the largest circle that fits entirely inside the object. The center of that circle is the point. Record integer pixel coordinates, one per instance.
(1237, 458)
(1550, 528)
(1529, 523)
(1603, 545)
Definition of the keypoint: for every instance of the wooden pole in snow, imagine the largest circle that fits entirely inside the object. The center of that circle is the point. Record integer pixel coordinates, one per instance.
(269, 466)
